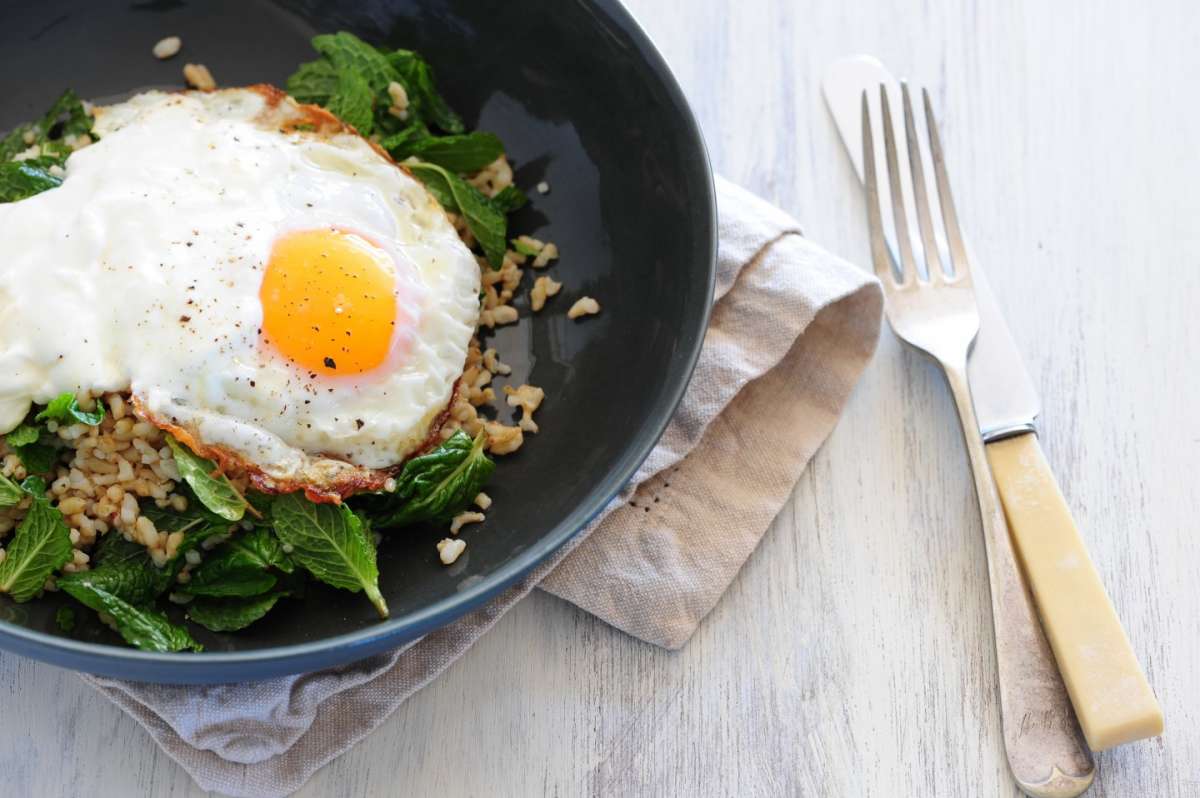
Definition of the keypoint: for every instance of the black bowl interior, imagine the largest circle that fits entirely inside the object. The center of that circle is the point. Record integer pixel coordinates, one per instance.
(582, 102)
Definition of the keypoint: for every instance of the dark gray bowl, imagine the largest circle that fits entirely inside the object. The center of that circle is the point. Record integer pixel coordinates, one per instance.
(583, 101)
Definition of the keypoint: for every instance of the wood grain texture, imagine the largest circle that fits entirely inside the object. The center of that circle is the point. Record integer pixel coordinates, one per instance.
(853, 654)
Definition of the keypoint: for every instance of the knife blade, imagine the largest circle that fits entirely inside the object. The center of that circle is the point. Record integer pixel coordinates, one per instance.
(1005, 400)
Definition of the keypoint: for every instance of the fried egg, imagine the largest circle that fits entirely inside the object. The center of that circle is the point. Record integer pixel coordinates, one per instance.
(268, 285)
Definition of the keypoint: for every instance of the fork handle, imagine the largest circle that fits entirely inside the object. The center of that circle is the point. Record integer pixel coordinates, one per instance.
(1112, 699)
(1046, 751)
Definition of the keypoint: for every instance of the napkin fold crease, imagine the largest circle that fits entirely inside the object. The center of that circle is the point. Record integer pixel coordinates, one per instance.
(792, 329)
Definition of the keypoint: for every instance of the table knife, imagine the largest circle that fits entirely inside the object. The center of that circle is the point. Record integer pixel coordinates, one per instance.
(1108, 690)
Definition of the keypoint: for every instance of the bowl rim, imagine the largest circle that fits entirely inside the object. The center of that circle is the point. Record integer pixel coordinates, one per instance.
(225, 666)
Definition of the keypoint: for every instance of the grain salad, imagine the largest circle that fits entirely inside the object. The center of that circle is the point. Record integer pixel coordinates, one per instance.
(132, 514)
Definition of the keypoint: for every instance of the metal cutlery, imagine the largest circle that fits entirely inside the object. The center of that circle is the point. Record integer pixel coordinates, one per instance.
(935, 312)
(1109, 692)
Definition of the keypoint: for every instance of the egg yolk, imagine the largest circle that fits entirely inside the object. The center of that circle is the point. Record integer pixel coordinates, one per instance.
(329, 301)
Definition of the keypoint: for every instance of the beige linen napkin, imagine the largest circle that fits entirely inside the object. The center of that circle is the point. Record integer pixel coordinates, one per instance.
(792, 329)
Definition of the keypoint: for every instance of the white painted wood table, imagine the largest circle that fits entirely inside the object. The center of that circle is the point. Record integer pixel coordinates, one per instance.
(853, 654)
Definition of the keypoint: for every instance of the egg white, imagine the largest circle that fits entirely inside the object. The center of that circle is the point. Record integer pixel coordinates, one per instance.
(142, 272)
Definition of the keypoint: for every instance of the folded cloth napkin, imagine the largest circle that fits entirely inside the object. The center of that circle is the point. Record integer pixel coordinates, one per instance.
(792, 329)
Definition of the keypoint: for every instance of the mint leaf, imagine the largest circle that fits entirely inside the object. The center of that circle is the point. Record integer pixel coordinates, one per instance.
(417, 76)
(65, 619)
(231, 614)
(313, 82)
(212, 488)
(435, 486)
(510, 199)
(65, 409)
(67, 110)
(466, 153)
(260, 502)
(35, 486)
(193, 520)
(350, 54)
(38, 458)
(197, 523)
(399, 145)
(114, 549)
(10, 492)
(124, 568)
(331, 542)
(225, 574)
(135, 579)
(14, 143)
(241, 567)
(23, 435)
(146, 629)
(40, 546)
(353, 102)
(22, 179)
(485, 221)
(262, 548)
(437, 183)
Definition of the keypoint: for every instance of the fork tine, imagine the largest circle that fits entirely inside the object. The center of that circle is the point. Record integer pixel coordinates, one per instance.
(958, 252)
(908, 266)
(933, 258)
(879, 250)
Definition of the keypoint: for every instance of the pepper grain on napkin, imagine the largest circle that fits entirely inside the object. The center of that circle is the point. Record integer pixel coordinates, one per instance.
(792, 329)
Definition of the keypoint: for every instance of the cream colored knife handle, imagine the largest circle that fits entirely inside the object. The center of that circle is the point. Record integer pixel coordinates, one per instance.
(1046, 752)
(1112, 699)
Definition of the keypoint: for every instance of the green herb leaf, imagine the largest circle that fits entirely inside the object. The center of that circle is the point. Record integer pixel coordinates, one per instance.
(38, 458)
(485, 221)
(65, 408)
(231, 614)
(135, 579)
(261, 502)
(67, 110)
(241, 567)
(263, 548)
(146, 629)
(22, 179)
(353, 102)
(331, 542)
(35, 486)
(466, 153)
(197, 523)
(224, 574)
(350, 54)
(65, 619)
(435, 486)
(124, 568)
(10, 492)
(23, 435)
(114, 549)
(400, 144)
(193, 519)
(313, 82)
(40, 546)
(435, 180)
(14, 143)
(417, 76)
(212, 488)
(510, 199)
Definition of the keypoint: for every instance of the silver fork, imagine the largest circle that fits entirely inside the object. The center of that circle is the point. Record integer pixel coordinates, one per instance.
(936, 313)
